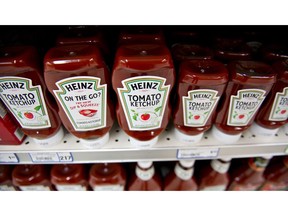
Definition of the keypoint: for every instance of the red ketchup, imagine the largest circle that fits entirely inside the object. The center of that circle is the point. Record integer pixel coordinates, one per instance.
(249, 83)
(32, 177)
(200, 86)
(79, 80)
(214, 177)
(276, 175)
(249, 176)
(69, 177)
(181, 178)
(143, 77)
(273, 113)
(107, 177)
(145, 178)
(23, 91)
(6, 183)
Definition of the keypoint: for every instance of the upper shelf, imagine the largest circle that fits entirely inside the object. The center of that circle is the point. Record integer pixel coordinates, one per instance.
(119, 149)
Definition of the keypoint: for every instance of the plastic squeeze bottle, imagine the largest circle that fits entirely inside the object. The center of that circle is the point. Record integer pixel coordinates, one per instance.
(142, 78)
(23, 91)
(181, 178)
(200, 86)
(249, 83)
(78, 78)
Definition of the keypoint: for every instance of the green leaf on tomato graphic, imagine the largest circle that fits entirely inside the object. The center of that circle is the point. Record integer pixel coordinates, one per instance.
(37, 108)
(157, 109)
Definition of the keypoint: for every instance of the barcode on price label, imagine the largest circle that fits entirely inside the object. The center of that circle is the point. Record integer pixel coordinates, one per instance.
(50, 157)
(197, 153)
(8, 158)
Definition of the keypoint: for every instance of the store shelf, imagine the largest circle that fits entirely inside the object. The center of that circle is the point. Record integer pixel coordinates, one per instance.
(119, 149)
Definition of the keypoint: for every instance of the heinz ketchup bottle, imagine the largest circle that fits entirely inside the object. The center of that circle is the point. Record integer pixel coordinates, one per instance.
(6, 183)
(249, 83)
(273, 113)
(143, 77)
(79, 80)
(23, 90)
(181, 178)
(200, 86)
(145, 178)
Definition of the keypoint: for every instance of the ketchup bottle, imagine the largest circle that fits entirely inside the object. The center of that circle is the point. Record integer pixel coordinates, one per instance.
(249, 84)
(23, 91)
(274, 111)
(145, 178)
(79, 80)
(107, 177)
(69, 177)
(201, 84)
(274, 52)
(181, 179)
(143, 77)
(31, 178)
(249, 176)
(214, 177)
(6, 178)
(276, 175)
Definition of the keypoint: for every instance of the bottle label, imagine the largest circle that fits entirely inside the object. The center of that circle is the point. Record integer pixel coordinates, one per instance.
(145, 175)
(215, 188)
(25, 101)
(279, 111)
(144, 100)
(220, 167)
(70, 187)
(6, 188)
(244, 106)
(111, 187)
(183, 173)
(84, 101)
(198, 107)
(34, 188)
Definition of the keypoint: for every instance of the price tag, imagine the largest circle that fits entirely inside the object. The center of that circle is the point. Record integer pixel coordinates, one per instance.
(197, 153)
(40, 157)
(8, 158)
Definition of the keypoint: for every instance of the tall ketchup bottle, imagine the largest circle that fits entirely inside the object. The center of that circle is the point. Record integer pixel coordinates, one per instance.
(143, 77)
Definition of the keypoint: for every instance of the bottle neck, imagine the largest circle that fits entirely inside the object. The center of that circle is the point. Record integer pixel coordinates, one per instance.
(220, 166)
(145, 174)
(184, 173)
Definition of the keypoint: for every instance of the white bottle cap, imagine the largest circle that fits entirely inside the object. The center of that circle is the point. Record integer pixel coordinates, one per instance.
(95, 143)
(145, 164)
(187, 163)
(223, 137)
(143, 144)
(262, 131)
(226, 159)
(187, 139)
(51, 141)
(267, 157)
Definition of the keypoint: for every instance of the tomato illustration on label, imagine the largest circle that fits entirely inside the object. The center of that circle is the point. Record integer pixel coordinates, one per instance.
(145, 116)
(29, 115)
(88, 112)
(241, 116)
(196, 117)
